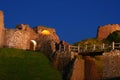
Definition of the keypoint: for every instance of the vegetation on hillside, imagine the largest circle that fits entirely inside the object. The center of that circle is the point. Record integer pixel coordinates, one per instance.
(115, 36)
(26, 65)
(90, 41)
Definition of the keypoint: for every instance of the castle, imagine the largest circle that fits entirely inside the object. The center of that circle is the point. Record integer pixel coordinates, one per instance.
(44, 39)
(24, 37)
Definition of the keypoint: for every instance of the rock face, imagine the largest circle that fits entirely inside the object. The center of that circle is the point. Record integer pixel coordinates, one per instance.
(61, 56)
(90, 69)
(20, 37)
(104, 31)
(1, 28)
(78, 70)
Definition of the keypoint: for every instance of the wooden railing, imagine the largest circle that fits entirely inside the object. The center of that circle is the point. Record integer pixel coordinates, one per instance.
(93, 48)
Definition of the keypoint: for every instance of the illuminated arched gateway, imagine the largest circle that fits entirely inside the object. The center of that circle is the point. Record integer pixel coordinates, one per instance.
(33, 45)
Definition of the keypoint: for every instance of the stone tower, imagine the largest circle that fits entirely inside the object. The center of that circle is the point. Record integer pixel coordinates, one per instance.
(1, 29)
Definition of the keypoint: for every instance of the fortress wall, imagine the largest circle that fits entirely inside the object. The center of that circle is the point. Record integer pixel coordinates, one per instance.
(111, 65)
(19, 38)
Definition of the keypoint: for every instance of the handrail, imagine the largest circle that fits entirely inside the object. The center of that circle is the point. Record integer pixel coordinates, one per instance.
(94, 47)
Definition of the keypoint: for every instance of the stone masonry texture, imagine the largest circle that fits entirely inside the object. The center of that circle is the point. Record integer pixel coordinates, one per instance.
(111, 65)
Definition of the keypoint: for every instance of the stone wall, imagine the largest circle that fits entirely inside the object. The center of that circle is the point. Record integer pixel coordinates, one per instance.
(20, 37)
(1, 28)
(46, 42)
(111, 65)
(52, 36)
(104, 31)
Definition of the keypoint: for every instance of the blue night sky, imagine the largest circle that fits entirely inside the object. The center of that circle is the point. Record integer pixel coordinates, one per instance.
(74, 20)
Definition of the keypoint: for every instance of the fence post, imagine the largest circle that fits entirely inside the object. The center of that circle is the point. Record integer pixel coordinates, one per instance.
(63, 47)
(59, 48)
(78, 49)
(86, 47)
(94, 47)
(69, 48)
(103, 46)
(74, 48)
(113, 45)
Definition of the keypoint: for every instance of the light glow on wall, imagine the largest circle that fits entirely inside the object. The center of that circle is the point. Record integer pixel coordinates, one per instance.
(45, 32)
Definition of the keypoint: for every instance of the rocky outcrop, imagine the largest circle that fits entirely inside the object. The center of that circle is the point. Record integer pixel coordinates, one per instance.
(90, 69)
(20, 37)
(1, 29)
(61, 55)
(77, 72)
(104, 31)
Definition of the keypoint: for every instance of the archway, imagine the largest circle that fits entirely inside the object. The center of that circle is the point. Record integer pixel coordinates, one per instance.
(33, 45)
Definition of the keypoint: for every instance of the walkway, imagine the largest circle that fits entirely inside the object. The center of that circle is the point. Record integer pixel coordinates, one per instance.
(94, 49)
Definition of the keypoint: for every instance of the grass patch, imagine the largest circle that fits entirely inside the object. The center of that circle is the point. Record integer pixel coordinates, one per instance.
(26, 65)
